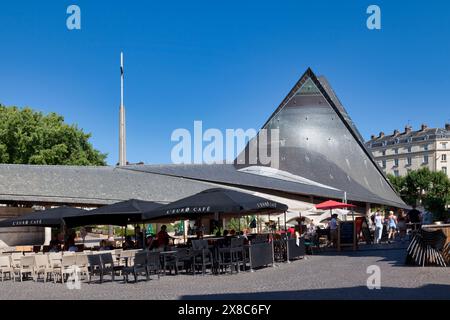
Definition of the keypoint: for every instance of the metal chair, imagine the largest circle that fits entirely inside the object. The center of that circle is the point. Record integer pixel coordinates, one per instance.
(154, 263)
(201, 256)
(139, 267)
(95, 267)
(108, 265)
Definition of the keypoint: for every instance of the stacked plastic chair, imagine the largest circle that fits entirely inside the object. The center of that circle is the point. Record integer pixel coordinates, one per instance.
(427, 248)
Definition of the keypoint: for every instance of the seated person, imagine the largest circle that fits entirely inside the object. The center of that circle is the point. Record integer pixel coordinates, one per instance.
(54, 244)
(104, 246)
(128, 244)
(70, 242)
(73, 248)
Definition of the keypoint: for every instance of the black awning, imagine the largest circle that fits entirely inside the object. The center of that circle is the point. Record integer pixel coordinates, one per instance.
(46, 218)
(214, 200)
(119, 213)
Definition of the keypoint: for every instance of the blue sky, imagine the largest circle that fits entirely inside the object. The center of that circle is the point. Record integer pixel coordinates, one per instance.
(227, 63)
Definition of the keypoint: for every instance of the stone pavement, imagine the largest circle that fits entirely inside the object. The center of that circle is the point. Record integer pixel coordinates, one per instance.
(329, 275)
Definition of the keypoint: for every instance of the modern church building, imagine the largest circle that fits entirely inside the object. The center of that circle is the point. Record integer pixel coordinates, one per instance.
(321, 156)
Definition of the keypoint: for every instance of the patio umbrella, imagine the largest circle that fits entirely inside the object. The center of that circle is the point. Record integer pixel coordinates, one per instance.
(45, 218)
(214, 200)
(331, 204)
(119, 213)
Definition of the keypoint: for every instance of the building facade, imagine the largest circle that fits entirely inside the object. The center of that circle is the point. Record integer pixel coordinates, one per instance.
(401, 152)
(321, 156)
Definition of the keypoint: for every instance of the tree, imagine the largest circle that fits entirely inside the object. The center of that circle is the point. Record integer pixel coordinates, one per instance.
(431, 189)
(30, 137)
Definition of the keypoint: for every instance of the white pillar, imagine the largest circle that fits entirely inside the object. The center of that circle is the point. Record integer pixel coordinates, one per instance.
(48, 236)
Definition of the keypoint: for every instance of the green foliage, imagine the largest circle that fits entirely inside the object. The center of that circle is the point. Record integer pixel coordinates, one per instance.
(431, 189)
(233, 224)
(30, 137)
(217, 231)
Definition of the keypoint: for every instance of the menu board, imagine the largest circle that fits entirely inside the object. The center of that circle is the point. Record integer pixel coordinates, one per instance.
(347, 234)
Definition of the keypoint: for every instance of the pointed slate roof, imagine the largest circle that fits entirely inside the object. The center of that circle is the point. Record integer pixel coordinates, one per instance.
(319, 141)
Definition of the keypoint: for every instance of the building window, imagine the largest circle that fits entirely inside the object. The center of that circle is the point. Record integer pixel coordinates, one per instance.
(383, 163)
(396, 162)
(408, 161)
(425, 159)
(396, 173)
(383, 152)
(396, 150)
(409, 149)
(444, 157)
(425, 147)
(444, 145)
(444, 170)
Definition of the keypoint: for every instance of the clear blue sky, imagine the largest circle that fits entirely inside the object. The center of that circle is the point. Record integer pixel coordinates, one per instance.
(227, 63)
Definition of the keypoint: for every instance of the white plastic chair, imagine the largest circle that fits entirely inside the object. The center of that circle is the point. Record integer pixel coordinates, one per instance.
(27, 265)
(5, 267)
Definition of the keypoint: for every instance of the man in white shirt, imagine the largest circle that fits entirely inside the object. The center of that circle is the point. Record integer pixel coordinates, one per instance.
(334, 229)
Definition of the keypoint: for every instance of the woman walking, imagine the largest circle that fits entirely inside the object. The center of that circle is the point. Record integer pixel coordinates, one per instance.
(392, 224)
(378, 227)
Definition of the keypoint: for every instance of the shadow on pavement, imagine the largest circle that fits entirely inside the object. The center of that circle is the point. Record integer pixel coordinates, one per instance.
(431, 291)
(395, 255)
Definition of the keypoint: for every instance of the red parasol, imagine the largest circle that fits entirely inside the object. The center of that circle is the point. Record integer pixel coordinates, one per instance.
(331, 204)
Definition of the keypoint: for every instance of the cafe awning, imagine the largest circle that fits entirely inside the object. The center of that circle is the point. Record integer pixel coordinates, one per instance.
(119, 213)
(216, 200)
(45, 218)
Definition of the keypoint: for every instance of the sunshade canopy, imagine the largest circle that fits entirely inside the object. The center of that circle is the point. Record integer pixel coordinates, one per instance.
(331, 204)
(119, 213)
(218, 200)
(46, 218)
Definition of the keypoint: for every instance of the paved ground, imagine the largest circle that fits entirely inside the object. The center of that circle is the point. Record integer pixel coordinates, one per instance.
(327, 276)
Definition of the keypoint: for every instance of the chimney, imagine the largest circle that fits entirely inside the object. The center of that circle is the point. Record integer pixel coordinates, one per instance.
(381, 135)
(372, 137)
(423, 127)
(396, 132)
(408, 129)
(447, 126)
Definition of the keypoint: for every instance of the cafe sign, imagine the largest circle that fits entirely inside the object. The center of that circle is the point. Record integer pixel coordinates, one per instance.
(27, 222)
(202, 209)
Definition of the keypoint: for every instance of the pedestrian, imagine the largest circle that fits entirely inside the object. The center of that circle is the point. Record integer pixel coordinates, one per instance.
(334, 230)
(401, 225)
(378, 226)
(427, 218)
(83, 233)
(392, 225)
(414, 217)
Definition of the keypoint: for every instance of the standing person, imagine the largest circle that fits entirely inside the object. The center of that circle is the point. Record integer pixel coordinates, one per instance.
(334, 230)
(83, 233)
(414, 217)
(139, 243)
(392, 224)
(427, 217)
(163, 237)
(402, 227)
(378, 227)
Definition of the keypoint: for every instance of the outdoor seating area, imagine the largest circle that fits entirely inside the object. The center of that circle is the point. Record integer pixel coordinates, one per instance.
(215, 256)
